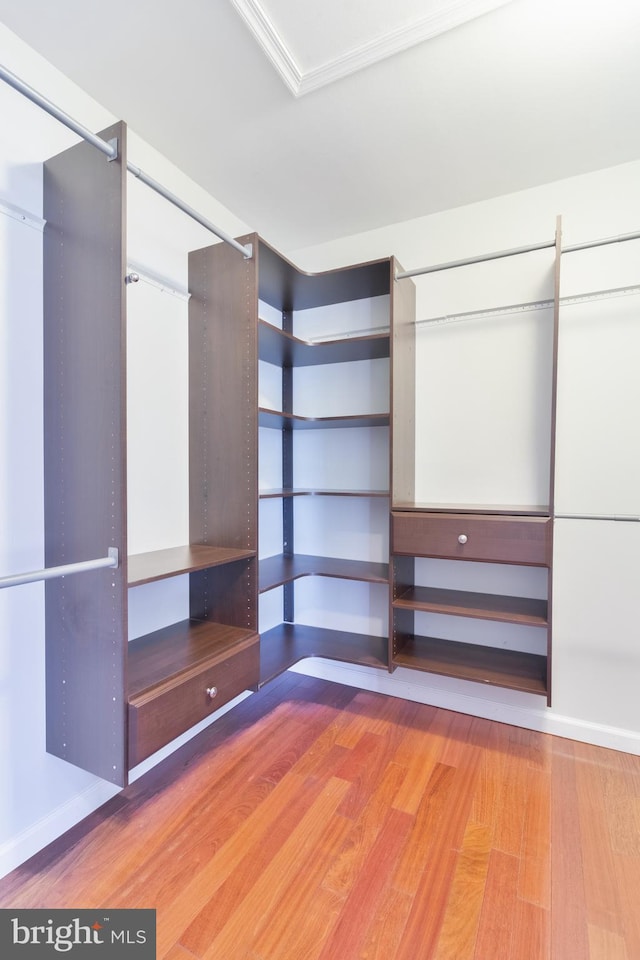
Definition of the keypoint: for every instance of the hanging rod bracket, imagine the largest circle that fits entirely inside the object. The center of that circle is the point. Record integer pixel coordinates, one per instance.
(248, 251)
(113, 143)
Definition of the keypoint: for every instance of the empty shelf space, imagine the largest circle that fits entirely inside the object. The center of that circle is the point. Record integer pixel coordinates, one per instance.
(283, 349)
(159, 564)
(486, 606)
(176, 650)
(498, 509)
(300, 492)
(277, 420)
(289, 643)
(278, 570)
(526, 672)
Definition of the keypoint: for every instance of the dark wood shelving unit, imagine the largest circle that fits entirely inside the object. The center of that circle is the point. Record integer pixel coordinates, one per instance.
(503, 533)
(160, 564)
(278, 570)
(236, 289)
(279, 420)
(289, 643)
(512, 669)
(484, 606)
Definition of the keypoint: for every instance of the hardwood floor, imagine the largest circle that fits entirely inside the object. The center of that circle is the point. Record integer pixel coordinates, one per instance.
(320, 822)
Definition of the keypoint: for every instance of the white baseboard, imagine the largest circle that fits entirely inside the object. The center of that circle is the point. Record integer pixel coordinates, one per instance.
(62, 818)
(532, 714)
(44, 831)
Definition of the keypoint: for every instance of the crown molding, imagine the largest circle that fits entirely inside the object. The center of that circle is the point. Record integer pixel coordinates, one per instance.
(389, 44)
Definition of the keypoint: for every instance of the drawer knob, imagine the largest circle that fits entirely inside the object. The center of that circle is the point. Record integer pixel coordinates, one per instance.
(212, 692)
(462, 538)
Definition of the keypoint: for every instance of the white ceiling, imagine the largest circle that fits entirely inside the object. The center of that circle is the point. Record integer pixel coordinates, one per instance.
(529, 92)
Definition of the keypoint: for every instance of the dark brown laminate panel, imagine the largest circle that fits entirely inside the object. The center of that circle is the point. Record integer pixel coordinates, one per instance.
(526, 672)
(289, 643)
(484, 606)
(281, 348)
(85, 454)
(198, 667)
(159, 564)
(497, 539)
(275, 571)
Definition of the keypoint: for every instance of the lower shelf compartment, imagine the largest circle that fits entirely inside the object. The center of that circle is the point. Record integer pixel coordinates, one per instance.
(288, 643)
(526, 672)
(180, 675)
(486, 606)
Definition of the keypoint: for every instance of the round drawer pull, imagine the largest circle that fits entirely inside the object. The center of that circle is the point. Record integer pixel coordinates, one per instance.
(462, 538)
(212, 692)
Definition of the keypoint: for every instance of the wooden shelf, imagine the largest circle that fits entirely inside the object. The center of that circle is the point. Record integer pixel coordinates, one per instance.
(526, 672)
(289, 643)
(283, 349)
(278, 570)
(285, 287)
(307, 492)
(160, 564)
(498, 509)
(277, 420)
(175, 650)
(485, 606)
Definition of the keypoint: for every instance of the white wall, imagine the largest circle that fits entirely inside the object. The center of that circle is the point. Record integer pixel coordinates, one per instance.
(40, 795)
(596, 633)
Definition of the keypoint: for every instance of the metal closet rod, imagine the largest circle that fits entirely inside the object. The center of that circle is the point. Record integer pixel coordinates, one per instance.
(515, 251)
(50, 573)
(531, 305)
(110, 150)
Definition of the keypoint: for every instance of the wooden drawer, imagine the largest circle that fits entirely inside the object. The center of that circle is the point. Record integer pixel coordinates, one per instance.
(496, 539)
(172, 706)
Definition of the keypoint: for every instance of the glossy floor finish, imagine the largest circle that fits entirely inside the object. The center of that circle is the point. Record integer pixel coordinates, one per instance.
(319, 822)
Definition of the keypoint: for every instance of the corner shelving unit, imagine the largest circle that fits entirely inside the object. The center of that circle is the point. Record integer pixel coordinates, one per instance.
(272, 284)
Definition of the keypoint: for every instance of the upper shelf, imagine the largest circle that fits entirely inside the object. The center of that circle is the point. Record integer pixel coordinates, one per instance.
(291, 421)
(286, 287)
(495, 509)
(308, 492)
(280, 569)
(283, 349)
(160, 564)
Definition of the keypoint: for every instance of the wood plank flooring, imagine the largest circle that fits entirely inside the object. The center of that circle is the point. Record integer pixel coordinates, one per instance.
(320, 822)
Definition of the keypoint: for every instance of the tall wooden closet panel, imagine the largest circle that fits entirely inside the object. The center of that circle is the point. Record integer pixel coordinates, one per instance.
(223, 430)
(84, 455)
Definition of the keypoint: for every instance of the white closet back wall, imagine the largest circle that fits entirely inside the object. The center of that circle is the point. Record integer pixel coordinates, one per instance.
(483, 389)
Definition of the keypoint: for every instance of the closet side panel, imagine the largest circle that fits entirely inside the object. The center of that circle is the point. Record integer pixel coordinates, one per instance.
(223, 427)
(403, 388)
(84, 455)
